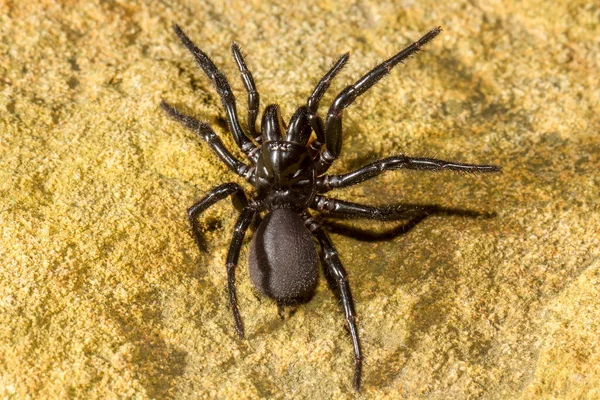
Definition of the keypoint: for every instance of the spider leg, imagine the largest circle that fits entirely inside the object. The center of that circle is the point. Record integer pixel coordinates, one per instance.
(333, 122)
(326, 183)
(347, 209)
(216, 145)
(246, 213)
(336, 270)
(224, 90)
(241, 226)
(217, 194)
(313, 102)
(253, 96)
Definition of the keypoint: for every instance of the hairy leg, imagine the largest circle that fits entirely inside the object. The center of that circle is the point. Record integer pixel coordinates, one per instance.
(241, 226)
(333, 123)
(224, 90)
(217, 194)
(336, 270)
(315, 98)
(253, 96)
(326, 183)
(347, 209)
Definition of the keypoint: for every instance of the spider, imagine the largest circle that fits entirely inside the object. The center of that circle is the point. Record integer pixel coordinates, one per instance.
(287, 165)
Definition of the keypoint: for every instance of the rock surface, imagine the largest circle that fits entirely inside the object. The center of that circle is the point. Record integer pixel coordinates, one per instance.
(103, 293)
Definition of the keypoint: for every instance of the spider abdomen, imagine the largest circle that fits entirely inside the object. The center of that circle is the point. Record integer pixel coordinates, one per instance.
(283, 258)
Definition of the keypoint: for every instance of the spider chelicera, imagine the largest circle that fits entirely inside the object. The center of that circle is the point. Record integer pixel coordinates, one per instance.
(287, 165)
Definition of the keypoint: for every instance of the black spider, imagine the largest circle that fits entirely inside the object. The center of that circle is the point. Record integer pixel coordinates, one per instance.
(288, 173)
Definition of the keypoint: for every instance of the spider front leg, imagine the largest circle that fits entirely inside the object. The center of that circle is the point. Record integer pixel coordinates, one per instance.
(333, 123)
(253, 96)
(224, 90)
(336, 270)
(326, 183)
(312, 104)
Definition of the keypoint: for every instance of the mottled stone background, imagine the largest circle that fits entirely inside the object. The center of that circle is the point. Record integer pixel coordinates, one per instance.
(103, 293)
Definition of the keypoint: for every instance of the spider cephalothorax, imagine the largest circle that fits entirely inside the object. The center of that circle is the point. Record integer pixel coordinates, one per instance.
(285, 171)
(288, 170)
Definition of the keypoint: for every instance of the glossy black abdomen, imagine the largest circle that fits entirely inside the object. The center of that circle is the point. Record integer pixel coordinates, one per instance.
(283, 258)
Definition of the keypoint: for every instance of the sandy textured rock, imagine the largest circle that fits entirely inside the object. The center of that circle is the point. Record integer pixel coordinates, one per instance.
(103, 293)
